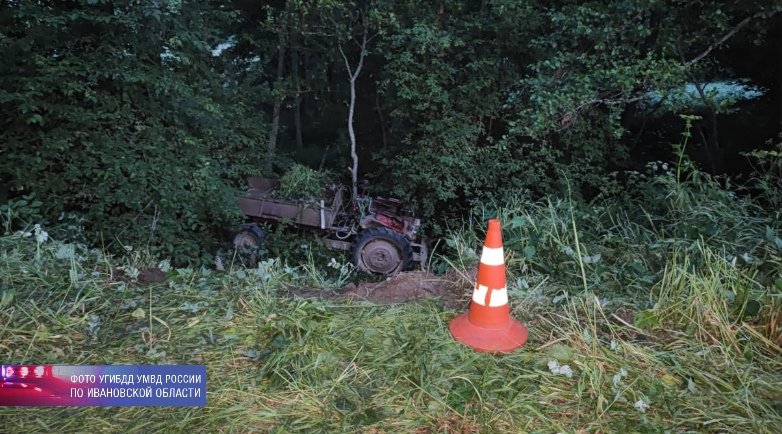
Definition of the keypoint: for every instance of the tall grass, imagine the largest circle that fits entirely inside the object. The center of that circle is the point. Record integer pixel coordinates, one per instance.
(660, 317)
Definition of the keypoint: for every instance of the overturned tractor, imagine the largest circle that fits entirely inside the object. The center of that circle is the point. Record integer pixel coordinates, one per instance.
(382, 234)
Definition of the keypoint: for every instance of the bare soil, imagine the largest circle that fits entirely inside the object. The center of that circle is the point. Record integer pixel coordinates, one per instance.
(147, 276)
(452, 289)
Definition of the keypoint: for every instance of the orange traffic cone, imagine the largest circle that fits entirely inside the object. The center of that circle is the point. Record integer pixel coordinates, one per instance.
(488, 325)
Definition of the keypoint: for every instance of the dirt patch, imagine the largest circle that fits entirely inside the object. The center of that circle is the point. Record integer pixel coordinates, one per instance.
(453, 289)
(402, 288)
(151, 276)
(146, 276)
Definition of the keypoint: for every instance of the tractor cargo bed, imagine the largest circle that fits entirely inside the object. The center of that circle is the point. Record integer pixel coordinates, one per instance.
(257, 203)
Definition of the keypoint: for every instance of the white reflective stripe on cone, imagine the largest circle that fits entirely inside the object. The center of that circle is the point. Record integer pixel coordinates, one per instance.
(499, 297)
(492, 256)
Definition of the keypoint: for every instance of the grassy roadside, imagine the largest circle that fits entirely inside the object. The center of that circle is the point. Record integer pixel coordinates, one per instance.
(664, 315)
(277, 364)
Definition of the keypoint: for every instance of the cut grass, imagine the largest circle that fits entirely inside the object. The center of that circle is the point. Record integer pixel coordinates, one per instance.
(276, 364)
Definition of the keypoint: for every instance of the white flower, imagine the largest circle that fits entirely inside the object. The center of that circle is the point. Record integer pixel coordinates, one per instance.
(592, 259)
(565, 370)
(40, 235)
(641, 405)
(618, 377)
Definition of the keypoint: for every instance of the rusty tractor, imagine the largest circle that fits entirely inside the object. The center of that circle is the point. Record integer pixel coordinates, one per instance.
(381, 233)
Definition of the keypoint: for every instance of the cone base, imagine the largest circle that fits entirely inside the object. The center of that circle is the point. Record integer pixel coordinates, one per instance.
(490, 340)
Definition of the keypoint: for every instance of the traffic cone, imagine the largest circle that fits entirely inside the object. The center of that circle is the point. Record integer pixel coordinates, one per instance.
(488, 325)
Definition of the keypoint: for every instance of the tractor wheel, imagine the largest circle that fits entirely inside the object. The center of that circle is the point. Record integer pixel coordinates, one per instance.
(248, 243)
(381, 251)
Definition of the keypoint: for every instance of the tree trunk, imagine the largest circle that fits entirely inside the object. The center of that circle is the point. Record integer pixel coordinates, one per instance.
(306, 105)
(323, 158)
(713, 142)
(278, 101)
(353, 154)
(353, 77)
(297, 105)
(382, 119)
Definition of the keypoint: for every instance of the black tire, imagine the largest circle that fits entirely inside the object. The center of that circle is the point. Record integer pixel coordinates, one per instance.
(248, 243)
(381, 251)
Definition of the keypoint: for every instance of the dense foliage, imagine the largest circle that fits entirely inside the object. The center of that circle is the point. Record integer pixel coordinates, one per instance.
(116, 114)
(139, 120)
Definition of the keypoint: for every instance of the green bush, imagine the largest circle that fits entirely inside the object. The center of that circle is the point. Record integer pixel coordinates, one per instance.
(671, 213)
(113, 136)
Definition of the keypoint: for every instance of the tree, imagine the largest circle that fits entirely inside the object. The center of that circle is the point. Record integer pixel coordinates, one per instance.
(346, 22)
(123, 114)
(353, 76)
(499, 98)
(278, 85)
(116, 115)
